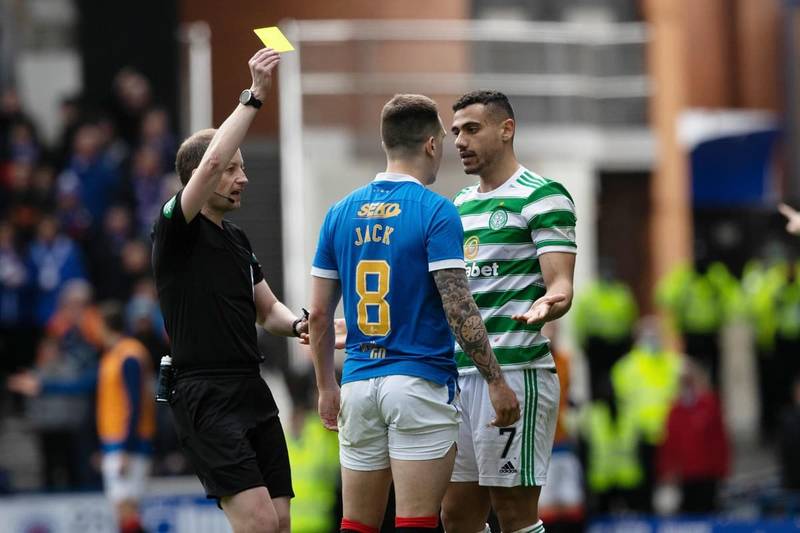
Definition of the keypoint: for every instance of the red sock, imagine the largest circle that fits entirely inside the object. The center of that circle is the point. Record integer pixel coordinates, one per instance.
(131, 525)
(356, 527)
(417, 524)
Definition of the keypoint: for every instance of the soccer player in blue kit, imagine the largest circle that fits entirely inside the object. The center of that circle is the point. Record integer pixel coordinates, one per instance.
(394, 251)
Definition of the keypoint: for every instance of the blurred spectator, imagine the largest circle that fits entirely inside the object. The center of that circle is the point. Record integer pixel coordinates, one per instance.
(695, 452)
(61, 388)
(95, 171)
(561, 503)
(70, 114)
(43, 187)
(646, 382)
(76, 322)
(23, 143)
(74, 218)
(156, 134)
(56, 419)
(21, 203)
(54, 260)
(610, 452)
(144, 320)
(116, 150)
(604, 314)
(789, 443)
(135, 264)
(314, 456)
(131, 99)
(761, 285)
(10, 114)
(787, 338)
(125, 417)
(700, 302)
(105, 254)
(144, 188)
(17, 331)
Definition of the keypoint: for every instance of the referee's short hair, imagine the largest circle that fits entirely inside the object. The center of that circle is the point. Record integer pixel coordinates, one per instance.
(191, 153)
(408, 120)
(496, 102)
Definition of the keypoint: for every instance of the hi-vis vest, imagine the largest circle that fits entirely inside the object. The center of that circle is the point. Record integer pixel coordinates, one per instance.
(314, 458)
(606, 310)
(612, 458)
(113, 406)
(646, 384)
(699, 303)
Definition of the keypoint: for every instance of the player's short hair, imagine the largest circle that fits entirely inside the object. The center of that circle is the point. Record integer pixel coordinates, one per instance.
(113, 315)
(408, 120)
(191, 153)
(496, 101)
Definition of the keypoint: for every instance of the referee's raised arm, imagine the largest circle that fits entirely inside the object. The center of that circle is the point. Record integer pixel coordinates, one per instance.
(229, 136)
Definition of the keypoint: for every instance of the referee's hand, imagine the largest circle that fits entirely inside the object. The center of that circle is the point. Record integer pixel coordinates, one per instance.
(262, 65)
(328, 407)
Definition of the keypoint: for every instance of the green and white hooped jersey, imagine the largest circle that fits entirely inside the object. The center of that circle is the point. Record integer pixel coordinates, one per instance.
(505, 232)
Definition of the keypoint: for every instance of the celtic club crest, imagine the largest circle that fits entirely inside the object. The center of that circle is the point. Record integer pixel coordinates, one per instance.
(498, 219)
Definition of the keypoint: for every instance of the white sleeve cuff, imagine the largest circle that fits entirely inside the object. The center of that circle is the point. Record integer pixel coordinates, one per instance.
(445, 263)
(323, 273)
(562, 249)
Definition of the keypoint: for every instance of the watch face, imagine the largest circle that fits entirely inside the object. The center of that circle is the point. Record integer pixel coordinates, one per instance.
(245, 97)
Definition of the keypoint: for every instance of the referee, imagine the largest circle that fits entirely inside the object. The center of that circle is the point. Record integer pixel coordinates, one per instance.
(212, 292)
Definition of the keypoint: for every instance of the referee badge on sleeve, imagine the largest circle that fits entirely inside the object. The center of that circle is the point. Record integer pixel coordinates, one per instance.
(168, 207)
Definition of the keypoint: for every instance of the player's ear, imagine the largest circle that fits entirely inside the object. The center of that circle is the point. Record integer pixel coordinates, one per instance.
(430, 146)
(507, 129)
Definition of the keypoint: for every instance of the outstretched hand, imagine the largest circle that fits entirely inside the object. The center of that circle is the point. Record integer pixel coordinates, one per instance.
(541, 310)
(26, 383)
(792, 217)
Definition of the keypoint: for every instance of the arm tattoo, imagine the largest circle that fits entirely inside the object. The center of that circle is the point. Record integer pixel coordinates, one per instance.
(465, 321)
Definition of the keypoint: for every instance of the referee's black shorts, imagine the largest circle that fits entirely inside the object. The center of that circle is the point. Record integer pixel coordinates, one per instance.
(228, 427)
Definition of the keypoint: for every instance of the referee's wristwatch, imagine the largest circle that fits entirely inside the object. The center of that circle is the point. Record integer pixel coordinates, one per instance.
(249, 98)
(298, 320)
(294, 326)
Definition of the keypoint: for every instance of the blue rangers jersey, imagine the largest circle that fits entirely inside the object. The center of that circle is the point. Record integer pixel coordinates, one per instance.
(382, 242)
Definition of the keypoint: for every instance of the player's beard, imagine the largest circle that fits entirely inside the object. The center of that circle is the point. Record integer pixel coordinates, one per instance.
(482, 162)
(474, 169)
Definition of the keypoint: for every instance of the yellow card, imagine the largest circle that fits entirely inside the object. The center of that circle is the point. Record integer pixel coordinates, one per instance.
(272, 37)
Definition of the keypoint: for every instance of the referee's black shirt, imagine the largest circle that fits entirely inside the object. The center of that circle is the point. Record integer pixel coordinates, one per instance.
(205, 277)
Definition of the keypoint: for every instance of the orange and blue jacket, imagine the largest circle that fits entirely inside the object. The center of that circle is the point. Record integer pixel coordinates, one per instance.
(125, 408)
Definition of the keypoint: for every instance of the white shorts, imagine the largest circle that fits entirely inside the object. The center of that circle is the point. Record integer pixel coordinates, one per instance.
(513, 456)
(565, 488)
(131, 485)
(398, 417)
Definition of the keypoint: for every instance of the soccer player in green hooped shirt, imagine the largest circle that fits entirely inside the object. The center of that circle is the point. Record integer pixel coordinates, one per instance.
(519, 247)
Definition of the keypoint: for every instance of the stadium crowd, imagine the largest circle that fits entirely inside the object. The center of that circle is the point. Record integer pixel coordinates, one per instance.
(75, 219)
